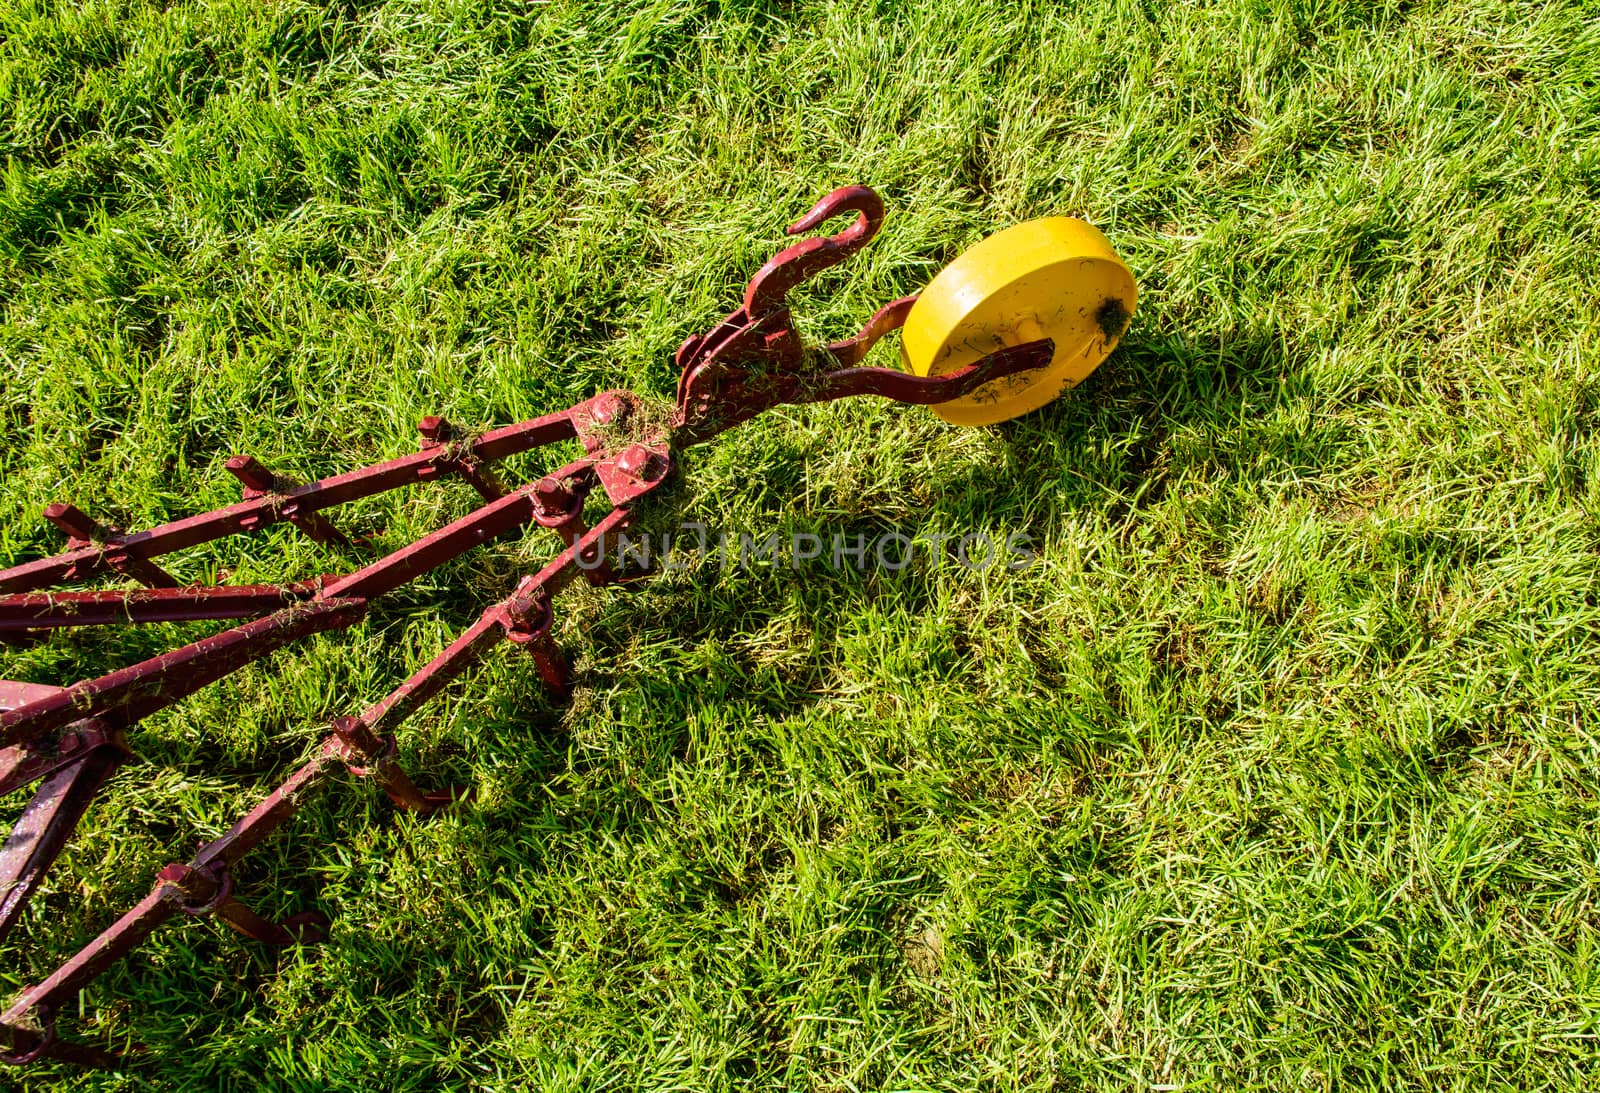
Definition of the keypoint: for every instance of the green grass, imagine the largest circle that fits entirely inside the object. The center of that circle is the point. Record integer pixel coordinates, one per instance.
(1279, 770)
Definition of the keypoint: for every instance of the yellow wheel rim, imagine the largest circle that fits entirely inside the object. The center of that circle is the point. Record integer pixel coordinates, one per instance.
(1053, 278)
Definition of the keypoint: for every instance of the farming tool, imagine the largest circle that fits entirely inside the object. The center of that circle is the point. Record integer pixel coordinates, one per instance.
(1002, 330)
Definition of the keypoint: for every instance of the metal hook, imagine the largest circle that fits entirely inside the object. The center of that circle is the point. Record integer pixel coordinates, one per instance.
(769, 288)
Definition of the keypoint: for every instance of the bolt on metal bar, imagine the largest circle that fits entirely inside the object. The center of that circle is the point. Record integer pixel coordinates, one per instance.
(86, 533)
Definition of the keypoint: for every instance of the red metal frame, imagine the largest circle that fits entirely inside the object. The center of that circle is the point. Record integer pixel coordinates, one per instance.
(70, 739)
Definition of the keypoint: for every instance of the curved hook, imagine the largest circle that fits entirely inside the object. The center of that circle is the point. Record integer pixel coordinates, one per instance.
(770, 287)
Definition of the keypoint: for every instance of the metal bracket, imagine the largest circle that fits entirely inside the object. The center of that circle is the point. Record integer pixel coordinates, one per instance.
(70, 737)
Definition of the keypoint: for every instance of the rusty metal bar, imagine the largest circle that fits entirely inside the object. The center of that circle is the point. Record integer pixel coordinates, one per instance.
(130, 694)
(431, 551)
(52, 610)
(516, 617)
(82, 562)
(469, 646)
(927, 390)
(208, 891)
(891, 316)
(368, 755)
(558, 500)
(260, 482)
(72, 770)
(270, 814)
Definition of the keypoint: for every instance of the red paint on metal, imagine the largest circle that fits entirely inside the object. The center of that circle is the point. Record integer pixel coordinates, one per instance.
(70, 737)
(85, 533)
(433, 550)
(82, 562)
(260, 482)
(52, 610)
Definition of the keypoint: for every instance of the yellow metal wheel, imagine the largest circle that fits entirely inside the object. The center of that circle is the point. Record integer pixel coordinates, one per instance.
(1053, 278)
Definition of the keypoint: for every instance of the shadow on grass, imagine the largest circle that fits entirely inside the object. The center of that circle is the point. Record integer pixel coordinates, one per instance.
(1107, 450)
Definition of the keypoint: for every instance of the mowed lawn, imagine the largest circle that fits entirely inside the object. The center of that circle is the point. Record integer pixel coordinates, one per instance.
(1279, 770)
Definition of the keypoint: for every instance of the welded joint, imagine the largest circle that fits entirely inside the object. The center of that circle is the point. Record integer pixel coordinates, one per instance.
(259, 481)
(457, 459)
(83, 530)
(200, 890)
(360, 749)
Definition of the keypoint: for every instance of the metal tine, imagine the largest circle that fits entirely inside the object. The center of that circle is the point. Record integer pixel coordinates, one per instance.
(84, 531)
(260, 482)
